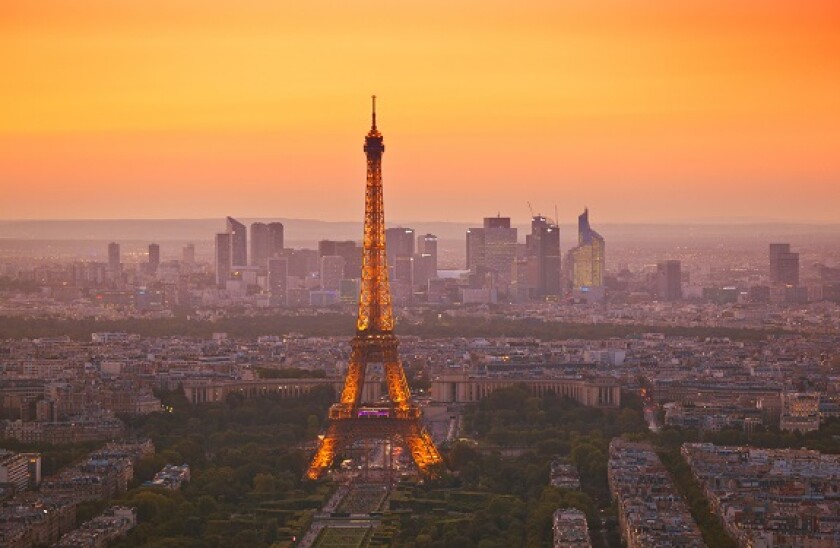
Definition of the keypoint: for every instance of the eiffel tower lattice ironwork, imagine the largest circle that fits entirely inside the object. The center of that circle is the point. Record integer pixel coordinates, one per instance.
(351, 419)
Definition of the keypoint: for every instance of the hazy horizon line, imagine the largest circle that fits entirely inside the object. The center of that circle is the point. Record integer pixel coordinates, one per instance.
(257, 218)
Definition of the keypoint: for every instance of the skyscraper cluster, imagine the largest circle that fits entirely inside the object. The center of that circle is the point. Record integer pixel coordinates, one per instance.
(231, 250)
(509, 270)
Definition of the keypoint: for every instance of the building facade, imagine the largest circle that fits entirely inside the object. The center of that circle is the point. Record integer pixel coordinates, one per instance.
(463, 388)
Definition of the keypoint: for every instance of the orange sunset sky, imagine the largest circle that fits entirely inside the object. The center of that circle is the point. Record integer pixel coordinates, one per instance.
(643, 110)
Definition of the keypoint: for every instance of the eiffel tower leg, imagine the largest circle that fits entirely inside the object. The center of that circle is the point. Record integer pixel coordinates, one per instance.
(397, 384)
(325, 454)
(353, 382)
(426, 456)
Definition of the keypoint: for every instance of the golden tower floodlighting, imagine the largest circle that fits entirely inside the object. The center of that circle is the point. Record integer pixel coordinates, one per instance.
(351, 419)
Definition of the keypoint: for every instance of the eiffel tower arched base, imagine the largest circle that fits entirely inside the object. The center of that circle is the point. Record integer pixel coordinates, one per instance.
(408, 432)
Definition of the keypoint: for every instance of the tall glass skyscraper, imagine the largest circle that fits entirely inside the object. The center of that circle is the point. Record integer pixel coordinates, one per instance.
(586, 261)
(238, 242)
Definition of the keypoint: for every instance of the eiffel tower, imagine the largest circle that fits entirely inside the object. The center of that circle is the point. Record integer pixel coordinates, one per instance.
(350, 419)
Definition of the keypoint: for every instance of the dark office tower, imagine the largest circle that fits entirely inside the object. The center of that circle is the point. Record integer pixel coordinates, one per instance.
(302, 262)
(475, 248)
(348, 249)
(776, 250)
(278, 272)
(238, 242)
(538, 222)
(332, 272)
(424, 269)
(188, 254)
(276, 240)
(428, 245)
(543, 248)
(332, 247)
(784, 265)
(259, 244)
(154, 258)
(400, 244)
(223, 258)
(266, 243)
(587, 260)
(404, 270)
(669, 281)
(114, 263)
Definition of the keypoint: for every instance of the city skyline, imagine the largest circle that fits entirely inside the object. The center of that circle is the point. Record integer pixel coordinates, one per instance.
(211, 333)
(653, 112)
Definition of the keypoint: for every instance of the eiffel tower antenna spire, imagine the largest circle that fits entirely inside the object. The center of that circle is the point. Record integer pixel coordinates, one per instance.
(373, 111)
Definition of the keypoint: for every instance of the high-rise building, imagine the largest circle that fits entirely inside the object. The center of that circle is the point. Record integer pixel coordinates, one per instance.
(114, 261)
(223, 262)
(424, 269)
(400, 244)
(669, 280)
(492, 248)
(586, 261)
(348, 249)
(525, 279)
(302, 262)
(543, 247)
(276, 240)
(154, 258)
(349, 291)
(188, 254)
(404, 271)
(266, 243)
(259, 244)
(427, 244)
(784, 265)
(278, 273)
(238, 242)
(475, 248)
(332, 272)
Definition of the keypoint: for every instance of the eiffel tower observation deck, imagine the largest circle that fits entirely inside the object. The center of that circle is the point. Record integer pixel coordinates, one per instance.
(352, 420)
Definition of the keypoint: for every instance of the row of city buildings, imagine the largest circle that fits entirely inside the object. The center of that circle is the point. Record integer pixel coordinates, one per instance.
(44, 512)
(58, 390)
(650, 510)
(766, 498)
(569, 525)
